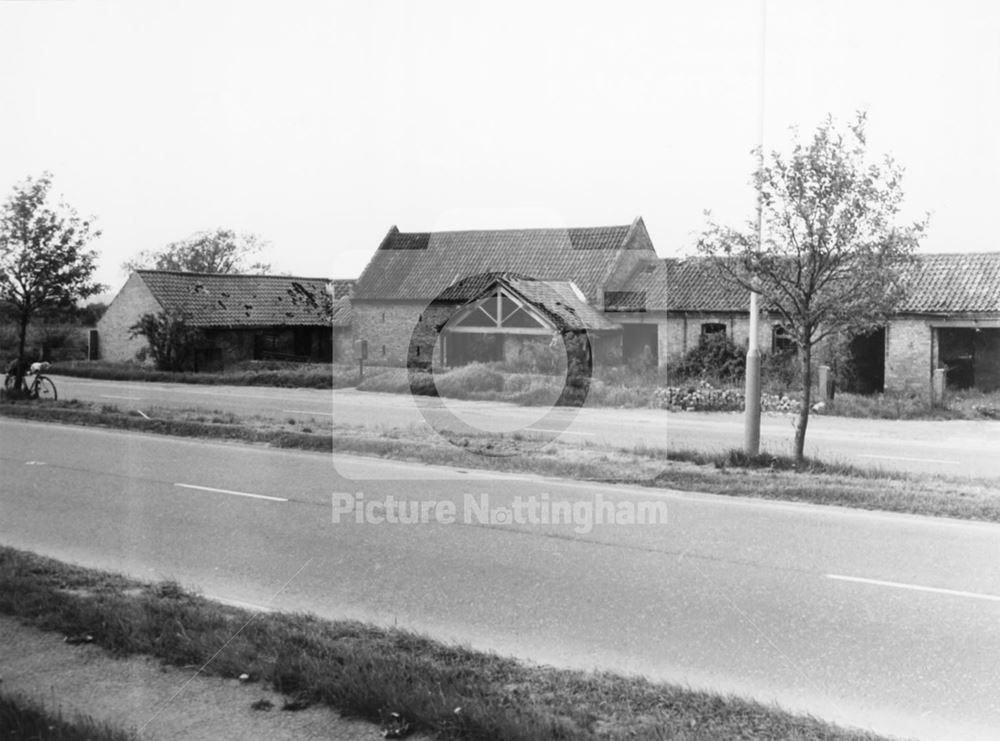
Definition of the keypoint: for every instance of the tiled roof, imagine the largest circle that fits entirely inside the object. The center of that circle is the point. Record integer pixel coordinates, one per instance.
(223, 300)
(421, 265)
(689, 284)
(937, 284)
(562, 304)
(953, 283)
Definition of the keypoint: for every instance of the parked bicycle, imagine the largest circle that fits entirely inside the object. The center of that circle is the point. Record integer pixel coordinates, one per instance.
(33, 383)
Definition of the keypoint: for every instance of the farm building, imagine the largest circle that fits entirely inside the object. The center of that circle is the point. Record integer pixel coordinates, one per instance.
(948, 320)
(654, 308)
(242, 317)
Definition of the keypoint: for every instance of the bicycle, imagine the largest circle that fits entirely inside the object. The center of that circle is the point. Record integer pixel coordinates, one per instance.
(39, 386)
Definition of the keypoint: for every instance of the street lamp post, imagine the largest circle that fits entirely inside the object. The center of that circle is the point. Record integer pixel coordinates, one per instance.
(751, 419)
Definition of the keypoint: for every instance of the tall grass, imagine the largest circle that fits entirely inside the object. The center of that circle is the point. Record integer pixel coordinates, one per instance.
(246, 373)
(26, 720)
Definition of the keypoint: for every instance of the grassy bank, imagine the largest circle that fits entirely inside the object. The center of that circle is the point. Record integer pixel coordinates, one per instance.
(24, 719)
(372, 672)
(727, 473)
(247, 373)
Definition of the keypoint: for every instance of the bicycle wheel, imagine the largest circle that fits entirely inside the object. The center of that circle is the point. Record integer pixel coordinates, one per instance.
(45, 389)
(9, 383)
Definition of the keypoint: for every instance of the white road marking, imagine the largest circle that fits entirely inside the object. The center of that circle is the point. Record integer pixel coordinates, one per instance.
(303, 411)
(903, 458)
(916, 587)
(559, 432)
(234, 493)
(112, 396)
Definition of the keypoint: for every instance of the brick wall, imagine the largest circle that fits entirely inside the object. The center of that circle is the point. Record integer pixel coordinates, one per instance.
(680, 333)
(388, 325)
(909, 355)
(132, 301)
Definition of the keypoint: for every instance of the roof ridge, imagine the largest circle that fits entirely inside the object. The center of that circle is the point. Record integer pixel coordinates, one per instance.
(153, 271)
(518, 230)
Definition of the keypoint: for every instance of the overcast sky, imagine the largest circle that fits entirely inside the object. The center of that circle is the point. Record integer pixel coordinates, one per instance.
(320, 125)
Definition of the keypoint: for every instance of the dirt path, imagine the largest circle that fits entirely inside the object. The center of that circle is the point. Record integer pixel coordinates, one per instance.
(160, 702)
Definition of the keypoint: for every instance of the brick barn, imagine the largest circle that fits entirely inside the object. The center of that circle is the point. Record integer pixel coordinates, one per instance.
(242, 317)
(420, 279)
(950, 320)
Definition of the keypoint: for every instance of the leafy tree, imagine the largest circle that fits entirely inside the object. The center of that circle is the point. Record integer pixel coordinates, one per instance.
(219, 251)
(44, 263)
(833, 258)
(172, 341)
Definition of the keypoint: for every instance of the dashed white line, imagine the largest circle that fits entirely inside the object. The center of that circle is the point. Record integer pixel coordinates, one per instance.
(903, 458)
(234, 493)
(915, 587)
(303, 411)
(112, 396)
(559, 432)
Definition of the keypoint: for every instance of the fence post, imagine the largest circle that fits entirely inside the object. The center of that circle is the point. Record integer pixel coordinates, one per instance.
(938, 386)
(826, 390)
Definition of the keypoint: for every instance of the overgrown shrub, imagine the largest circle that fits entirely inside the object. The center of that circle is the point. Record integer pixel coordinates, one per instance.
(171, 339)
(716, 356)
(468, 379)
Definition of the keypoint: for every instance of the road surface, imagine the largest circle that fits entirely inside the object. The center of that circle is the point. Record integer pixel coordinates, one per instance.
(953, 448)
(890, 622)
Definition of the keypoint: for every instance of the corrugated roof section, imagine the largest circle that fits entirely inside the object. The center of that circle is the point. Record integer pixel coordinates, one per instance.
(222, 300)
(420, 266)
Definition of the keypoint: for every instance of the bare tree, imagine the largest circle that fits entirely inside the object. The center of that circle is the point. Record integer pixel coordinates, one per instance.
(833, 258)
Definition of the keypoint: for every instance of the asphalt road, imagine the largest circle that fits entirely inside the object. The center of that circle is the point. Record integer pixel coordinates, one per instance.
(890, 622)
(954, 448)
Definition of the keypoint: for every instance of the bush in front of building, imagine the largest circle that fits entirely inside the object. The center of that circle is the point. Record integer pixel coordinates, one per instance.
(715, 357)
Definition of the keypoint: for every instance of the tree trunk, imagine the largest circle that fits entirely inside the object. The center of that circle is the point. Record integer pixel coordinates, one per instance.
(800, 427)
(22, 325)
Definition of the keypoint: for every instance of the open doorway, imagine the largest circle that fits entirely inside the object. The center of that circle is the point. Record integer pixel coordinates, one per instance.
(866, 363)
(971, 356)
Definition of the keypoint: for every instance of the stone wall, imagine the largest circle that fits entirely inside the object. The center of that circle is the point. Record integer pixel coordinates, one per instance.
(113, 329)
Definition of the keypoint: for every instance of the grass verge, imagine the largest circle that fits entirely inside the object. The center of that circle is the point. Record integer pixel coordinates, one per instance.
(22, 718)
(248, 373)
(726, 473)
(373, 673)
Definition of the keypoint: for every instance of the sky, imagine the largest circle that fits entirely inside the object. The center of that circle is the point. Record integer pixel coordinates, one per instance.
(318, 126)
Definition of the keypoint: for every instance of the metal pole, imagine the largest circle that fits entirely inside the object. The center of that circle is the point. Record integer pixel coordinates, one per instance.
(751, 419)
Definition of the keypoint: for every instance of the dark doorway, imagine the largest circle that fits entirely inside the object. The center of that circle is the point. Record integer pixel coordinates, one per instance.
(866, 360)
(302, 340)
(957, 354)
(640, 345)
(971, 356)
